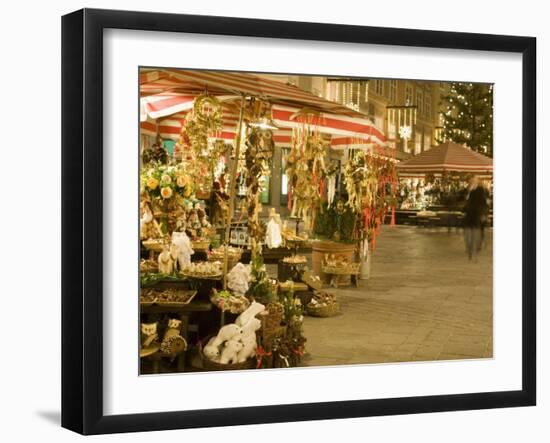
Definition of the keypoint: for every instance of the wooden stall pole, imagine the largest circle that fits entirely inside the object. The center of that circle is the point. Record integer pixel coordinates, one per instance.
(232, 191)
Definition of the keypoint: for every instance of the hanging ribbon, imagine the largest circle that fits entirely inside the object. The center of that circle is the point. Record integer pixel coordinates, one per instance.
(285, 359)
(289, 196)
(260, 354)
(299, 352)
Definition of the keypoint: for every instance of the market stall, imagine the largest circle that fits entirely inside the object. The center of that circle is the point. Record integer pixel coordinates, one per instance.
(207, 141)
(435, 183)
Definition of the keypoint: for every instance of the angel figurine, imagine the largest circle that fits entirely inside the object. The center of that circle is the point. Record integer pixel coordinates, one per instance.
(273, 237)
(184, 249)
(166, 263)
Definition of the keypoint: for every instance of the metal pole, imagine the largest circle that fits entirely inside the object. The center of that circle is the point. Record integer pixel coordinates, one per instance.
(232, 191)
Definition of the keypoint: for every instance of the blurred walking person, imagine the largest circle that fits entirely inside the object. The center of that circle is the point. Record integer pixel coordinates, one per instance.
(475, 215)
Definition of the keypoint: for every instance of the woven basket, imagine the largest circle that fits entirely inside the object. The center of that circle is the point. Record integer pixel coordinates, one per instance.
(210, 365)
(272, 320)
(230, 262)
(323, 311)
(351, 268)
(201, 244)
(271, 334)
(153, 245)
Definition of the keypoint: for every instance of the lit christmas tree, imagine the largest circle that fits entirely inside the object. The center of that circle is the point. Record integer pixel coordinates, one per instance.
(467, 116)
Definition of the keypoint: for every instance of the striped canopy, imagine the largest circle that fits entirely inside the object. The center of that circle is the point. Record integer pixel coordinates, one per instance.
(168, 94)
(448, 156)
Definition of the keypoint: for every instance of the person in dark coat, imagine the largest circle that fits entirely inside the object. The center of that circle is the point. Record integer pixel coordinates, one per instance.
(475, 215)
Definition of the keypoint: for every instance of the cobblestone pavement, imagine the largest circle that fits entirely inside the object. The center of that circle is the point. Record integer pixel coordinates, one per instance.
(424, 301)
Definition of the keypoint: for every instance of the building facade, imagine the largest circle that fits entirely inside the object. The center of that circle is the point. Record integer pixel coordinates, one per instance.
(407, 111)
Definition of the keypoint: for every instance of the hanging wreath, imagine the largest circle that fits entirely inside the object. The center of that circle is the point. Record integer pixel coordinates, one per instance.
(201, 150)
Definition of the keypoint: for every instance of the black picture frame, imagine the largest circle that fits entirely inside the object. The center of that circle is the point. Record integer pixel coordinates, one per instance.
(82, 232)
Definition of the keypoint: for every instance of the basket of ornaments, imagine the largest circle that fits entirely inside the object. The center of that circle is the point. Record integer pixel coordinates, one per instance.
(323, 304)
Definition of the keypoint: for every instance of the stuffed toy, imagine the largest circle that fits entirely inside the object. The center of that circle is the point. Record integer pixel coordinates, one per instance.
(230, 351)
(249, 348)
(251, 327)
(166, 264)
(254, 309)
(210, 351)
(173, 343)
(184, 249)
(148, 334)
(227, 333)
(238, 278)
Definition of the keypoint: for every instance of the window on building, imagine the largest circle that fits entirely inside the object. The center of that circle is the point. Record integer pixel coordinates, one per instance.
(420, 101)
(428, 105)
(392, 120)
(379, 87)
(351, 94)
(409, 147)
(393, 91)
(418, 143)
(333, 91)
(408, 94)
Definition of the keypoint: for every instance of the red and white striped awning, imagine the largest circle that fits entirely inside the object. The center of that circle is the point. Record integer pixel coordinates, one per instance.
(148, 127)
(238, 83)
(170, 91)
(448, 156)
(170, 127)
(347, 132)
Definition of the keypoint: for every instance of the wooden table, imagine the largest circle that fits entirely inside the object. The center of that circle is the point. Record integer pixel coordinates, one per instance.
(425, 220)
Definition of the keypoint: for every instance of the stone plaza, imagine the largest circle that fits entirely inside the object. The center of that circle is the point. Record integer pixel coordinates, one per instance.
(425, 300)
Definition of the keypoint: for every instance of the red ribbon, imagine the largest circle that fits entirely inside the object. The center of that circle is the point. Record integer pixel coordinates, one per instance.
(298, 352)
(260, 353)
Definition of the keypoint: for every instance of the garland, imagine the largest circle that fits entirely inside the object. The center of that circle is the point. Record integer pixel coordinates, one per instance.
(258, 155)
(371, 184)
(201, 150)
(306, 172)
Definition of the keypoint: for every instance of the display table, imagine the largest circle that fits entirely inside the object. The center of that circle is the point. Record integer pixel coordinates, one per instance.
(427, 221)
(272, 256)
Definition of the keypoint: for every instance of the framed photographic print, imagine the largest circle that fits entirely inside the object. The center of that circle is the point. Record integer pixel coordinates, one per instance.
(271, 221)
